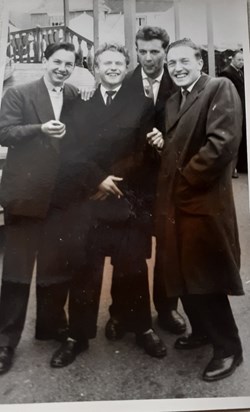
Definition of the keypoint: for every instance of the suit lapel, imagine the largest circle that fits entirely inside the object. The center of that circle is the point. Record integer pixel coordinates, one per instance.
(174, 112)
(166, 89)
(111, 111)
(42, 102)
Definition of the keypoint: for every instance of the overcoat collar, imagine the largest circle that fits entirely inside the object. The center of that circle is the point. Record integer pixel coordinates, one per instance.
(42, 102)
(174, 112)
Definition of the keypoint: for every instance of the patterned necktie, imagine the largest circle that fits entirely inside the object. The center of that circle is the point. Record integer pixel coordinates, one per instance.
(184, 93)
(148, 87)
(110, 94)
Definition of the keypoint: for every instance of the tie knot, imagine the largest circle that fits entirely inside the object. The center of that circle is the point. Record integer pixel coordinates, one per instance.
(57, 89)
(185, 92)
(110, 93)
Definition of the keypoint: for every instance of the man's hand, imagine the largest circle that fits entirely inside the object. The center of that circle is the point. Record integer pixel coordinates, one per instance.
(86, 92)
(108, 186)
(155, 138)
(54, 128)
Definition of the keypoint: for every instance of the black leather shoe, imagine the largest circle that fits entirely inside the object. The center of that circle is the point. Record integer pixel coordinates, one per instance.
(67, 353)
(172, 322)
(191, 342)
(152, 344)
(221, 368)
(6, 357)
(114, 330)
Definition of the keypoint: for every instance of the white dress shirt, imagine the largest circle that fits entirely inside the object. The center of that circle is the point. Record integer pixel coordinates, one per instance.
(103, 91)
(56, 98)
(155, 83)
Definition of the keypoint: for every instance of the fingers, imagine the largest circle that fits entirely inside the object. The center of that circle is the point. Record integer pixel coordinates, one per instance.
(115, 190)
(87, 93)
(155, 138)
(109, 187)
(54, 128)
(159, 142)
(58, 135)
(116, 179)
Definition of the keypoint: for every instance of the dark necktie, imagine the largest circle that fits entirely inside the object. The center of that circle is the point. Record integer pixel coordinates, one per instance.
(57, 90)
(110, 94)
(184, 94)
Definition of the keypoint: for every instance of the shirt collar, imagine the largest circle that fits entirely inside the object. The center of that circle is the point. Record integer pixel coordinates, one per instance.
(157, 79)
(104, 89)
(235, 68)
(190, 88)
(51, 87)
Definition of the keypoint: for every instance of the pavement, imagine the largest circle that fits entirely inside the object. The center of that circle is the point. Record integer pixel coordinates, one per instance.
(121, 370)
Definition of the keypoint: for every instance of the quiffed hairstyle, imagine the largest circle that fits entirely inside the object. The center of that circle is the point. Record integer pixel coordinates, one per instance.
(148, 33)
(54, 47)
(186, 42)
(116, 47)
(236, 52)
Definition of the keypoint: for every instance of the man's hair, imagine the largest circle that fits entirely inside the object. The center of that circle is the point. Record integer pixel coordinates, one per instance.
(54, 47)
(186, 42)
(236, 52)
(115, 47)
(148, 33)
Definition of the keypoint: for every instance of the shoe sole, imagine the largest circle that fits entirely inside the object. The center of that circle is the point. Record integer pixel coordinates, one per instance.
(217, 378)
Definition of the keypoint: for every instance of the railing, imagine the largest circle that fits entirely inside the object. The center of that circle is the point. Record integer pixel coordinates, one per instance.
(27, 46)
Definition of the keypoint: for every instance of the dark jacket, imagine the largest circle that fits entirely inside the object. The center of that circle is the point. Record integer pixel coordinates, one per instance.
(237, 77)
(33, 159)
(197, 236)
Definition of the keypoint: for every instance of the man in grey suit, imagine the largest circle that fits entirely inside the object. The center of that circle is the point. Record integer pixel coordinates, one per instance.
(32, 126)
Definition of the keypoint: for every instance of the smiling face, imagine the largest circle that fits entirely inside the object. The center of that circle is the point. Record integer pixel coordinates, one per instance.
(151, 56)
(183, 66)
(111, 68)
(59, 66)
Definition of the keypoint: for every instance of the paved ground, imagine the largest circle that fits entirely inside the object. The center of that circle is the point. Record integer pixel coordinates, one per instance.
(121, 371)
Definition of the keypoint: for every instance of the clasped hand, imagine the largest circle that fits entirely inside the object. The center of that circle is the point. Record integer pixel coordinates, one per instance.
(54, 128)
(155, 138)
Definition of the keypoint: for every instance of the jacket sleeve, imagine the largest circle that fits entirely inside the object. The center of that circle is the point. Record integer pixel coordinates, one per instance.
(12, 122)
(223, 135)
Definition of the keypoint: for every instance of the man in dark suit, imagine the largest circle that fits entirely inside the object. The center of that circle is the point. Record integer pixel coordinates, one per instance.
(150, 81)
(235, 73)
(32, 127)
(116, 131)
(197, 236)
